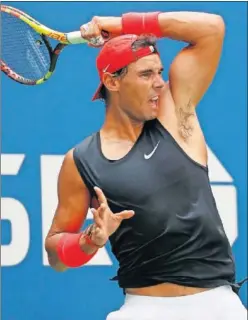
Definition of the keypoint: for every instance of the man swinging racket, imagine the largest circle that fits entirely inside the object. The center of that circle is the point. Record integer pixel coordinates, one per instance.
(145, 174)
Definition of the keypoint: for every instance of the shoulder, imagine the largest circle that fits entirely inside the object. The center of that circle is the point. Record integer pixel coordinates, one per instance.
(85, 145)
(76, 152)
(75, 160)
(86, 142)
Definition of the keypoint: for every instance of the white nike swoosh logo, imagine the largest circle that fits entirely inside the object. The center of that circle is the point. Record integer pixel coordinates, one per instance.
(106, 68)
(148, 156)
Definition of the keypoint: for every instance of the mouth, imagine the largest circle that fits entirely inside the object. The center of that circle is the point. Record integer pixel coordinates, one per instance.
(154, 102)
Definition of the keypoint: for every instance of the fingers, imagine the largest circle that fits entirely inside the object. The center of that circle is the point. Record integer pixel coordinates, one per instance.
(126, 214)
(102, 210)
(97, 218)
(96, 42)
(100, 195)
(91, 31)
(100, 215)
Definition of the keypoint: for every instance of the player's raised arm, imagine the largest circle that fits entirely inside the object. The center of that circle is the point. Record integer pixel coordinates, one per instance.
(193, 69)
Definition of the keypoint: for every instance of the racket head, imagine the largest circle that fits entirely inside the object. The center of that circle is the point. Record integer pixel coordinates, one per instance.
(27, 55)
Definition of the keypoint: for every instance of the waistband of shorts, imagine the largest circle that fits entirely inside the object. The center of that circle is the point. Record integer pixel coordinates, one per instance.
(213, 293)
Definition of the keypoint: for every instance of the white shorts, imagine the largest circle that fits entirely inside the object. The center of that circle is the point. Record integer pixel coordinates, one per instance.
(215, 304)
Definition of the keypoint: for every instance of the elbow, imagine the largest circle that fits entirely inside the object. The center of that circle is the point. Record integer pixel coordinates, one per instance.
(48, 246)
(214, 30)
(218, 25)
(53, 259)
(57, 266)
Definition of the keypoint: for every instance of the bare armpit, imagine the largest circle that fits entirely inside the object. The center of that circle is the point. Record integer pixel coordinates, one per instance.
(185, 120)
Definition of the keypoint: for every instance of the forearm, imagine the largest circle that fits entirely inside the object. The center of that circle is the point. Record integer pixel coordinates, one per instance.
(51, 246)
(191, 27)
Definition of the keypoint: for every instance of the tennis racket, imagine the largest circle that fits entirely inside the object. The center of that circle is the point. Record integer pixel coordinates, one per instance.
(27, 55)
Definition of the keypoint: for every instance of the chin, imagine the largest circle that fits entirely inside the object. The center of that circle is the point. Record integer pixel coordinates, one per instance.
(149, 118)
(152, 116)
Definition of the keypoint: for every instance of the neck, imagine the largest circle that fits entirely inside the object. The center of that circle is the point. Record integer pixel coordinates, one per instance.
(118, 125)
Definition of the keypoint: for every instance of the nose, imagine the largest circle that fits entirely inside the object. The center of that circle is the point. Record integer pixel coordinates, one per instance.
(159, 82)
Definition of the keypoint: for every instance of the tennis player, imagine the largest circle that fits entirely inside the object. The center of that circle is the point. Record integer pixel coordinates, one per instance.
(145, 174)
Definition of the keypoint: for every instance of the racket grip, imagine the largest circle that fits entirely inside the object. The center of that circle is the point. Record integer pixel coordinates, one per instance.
(75, 37)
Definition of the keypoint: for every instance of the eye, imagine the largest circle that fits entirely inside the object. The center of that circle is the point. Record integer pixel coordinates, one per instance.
(146, 74)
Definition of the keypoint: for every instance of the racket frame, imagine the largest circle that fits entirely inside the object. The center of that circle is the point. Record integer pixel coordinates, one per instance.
(42, 29)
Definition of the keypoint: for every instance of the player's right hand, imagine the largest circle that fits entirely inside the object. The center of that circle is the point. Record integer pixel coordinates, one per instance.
(101, 29)
(105, 221)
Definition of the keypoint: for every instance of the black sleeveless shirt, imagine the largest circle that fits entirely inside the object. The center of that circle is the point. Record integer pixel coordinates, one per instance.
(176, 234)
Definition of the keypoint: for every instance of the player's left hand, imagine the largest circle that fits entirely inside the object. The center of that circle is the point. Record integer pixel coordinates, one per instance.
(105, 221)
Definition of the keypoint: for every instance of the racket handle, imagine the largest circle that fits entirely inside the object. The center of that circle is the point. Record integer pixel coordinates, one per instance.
(75, 37)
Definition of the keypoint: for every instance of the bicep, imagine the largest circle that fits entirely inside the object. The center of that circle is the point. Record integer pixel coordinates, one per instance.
(73, 199)
(193, 69)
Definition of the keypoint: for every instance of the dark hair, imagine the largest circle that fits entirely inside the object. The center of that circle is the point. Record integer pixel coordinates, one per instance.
(142, 42)
(104, 94)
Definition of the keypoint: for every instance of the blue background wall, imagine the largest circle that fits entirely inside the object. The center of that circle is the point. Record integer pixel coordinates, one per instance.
(51, 118)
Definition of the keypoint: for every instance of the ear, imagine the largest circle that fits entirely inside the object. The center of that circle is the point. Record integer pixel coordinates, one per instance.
(110, 82)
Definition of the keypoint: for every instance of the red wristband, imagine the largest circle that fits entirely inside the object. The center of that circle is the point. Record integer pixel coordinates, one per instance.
(90, 242)
(69, 251)
(141, 23)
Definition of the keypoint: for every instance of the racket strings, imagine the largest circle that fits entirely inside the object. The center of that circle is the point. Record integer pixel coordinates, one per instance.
(23, 49)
